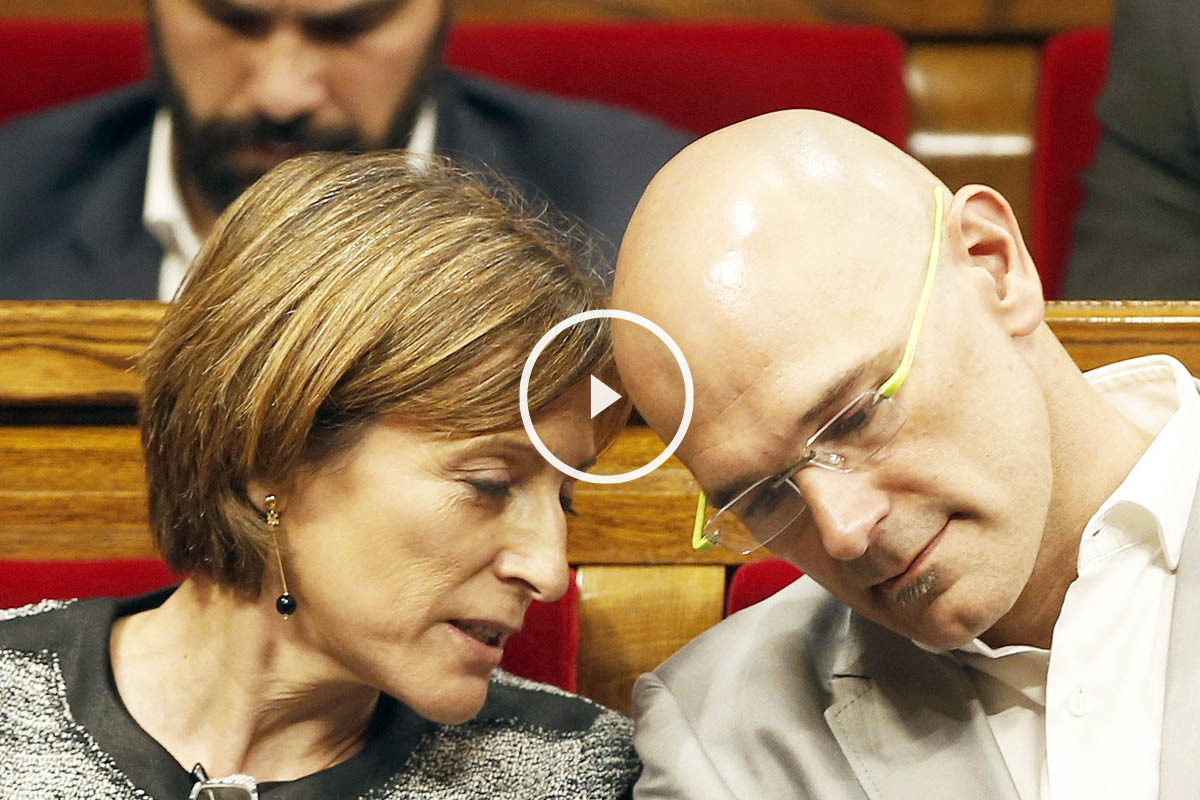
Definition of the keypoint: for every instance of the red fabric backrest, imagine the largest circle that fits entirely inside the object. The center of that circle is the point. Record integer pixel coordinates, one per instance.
(546, 649)
(1074, 65)
(698, 76)
(47, 62)
(757, 581)
(701, 77)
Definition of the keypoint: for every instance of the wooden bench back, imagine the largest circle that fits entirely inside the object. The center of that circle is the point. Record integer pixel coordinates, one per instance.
(72, 487)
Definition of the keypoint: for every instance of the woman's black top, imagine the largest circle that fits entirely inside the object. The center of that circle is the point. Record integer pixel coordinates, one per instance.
(64, 732)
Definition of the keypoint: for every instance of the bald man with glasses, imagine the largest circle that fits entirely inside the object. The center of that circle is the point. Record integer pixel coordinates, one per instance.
(1003, 586)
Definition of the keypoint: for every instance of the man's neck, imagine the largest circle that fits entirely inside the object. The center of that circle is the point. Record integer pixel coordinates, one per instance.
(1093, 448)
(226, 682)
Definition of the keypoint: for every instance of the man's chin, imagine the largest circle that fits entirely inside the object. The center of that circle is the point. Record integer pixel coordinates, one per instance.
(260, 159)
(221, 183)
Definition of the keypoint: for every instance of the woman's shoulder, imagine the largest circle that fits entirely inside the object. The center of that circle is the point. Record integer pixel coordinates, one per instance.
(530, 740)
(521, 701)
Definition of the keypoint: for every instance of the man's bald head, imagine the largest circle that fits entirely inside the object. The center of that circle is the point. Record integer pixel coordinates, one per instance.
(785, 255)
(788, 208)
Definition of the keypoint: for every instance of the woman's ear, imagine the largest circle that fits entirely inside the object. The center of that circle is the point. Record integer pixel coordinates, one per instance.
(257, 493)
(982, 234)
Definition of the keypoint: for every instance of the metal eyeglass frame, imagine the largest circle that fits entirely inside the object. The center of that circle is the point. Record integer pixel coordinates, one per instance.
(887, 389)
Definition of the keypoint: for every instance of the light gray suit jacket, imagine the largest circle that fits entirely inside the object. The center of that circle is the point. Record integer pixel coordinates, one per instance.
(797, 697)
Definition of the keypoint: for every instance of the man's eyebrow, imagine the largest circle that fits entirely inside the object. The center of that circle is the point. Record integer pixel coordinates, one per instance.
(353, 18)
(235, 14)
(837, 394)
(831, 400)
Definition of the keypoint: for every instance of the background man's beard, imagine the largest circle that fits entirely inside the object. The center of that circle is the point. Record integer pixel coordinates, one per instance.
(207, 151)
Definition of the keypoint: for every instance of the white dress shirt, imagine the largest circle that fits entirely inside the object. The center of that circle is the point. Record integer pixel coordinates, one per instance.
(1084, 719)
(165, 215)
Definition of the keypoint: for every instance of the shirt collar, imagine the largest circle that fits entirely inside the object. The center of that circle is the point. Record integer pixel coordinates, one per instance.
(1157, 394)
(163, 211)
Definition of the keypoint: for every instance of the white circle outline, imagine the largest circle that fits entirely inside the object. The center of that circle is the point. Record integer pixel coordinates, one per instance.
(688, 397)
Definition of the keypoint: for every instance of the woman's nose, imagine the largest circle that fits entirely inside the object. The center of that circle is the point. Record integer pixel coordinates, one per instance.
(535, 552)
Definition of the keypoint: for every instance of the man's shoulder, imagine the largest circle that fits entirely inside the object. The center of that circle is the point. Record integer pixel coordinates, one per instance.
(584, 156)
(587, 161)
(740, 710)
(51, 162)
(72, 181)
(545, 114)
(71, 135)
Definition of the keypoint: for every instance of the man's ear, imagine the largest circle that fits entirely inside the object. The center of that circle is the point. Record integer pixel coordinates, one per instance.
(982, 233)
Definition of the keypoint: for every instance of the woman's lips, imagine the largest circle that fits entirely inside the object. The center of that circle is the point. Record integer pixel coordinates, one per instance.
(482, 640)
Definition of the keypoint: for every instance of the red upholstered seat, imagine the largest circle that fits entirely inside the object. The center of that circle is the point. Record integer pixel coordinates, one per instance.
(1074, 65)
(701, 77)
(698, 76)
(547, 649)
(757, 581)
(23, 582)
(47, 62)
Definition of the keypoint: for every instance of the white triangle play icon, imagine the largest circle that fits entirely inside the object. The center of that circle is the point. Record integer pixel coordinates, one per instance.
(602, 396)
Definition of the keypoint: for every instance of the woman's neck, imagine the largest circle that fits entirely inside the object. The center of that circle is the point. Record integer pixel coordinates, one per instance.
(226, 682)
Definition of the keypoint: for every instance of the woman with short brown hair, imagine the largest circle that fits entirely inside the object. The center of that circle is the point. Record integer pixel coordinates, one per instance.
(337, 465)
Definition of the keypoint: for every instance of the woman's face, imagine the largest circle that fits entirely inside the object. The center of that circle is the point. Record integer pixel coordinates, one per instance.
(414, 555)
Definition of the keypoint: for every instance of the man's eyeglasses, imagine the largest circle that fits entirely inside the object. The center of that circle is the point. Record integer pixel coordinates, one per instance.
(856, 433)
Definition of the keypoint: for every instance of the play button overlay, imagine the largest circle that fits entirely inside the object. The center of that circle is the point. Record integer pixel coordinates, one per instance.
(603, 396)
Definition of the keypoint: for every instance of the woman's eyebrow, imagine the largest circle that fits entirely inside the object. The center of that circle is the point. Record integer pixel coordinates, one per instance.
(507, 443)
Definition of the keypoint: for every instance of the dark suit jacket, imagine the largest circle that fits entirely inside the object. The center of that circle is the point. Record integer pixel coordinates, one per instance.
(1138, 235)
(72, 180)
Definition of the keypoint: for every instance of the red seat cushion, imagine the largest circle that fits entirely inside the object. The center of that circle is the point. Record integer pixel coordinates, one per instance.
(701, 77)
(46, 62)
(546, 649)
(698, 76)
(757, 581)
(1074, 65)
(23, 582)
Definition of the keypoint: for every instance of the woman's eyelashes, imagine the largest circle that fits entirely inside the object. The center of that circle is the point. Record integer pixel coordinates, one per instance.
(497, 489)
(567, 499)
(491, 489)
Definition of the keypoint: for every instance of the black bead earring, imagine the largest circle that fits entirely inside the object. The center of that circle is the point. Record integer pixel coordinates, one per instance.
(285, 604)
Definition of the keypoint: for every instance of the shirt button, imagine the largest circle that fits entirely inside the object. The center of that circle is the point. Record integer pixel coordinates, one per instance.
(1079, 703)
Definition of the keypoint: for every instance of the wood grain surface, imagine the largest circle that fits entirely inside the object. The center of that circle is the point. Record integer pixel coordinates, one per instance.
(633, 618)
(972, 106)
(77, 491)
(71, 353)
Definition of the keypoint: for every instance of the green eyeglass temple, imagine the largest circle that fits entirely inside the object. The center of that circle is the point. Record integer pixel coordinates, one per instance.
(892, 384)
